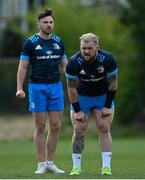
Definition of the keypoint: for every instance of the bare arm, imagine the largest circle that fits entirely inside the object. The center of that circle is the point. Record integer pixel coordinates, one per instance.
(112, 87)
(71, 88)
(73, 97)
(22, 68)
(62, 66)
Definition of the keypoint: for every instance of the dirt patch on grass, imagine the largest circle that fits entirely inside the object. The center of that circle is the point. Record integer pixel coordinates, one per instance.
(16, 127)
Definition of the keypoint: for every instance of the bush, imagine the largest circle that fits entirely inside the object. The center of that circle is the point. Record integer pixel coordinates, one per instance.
(11, 41)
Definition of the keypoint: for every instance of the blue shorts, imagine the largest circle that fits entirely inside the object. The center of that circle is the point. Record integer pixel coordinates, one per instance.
(46, 97)
(88, 103)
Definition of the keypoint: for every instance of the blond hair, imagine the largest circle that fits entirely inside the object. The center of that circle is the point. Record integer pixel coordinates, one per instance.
(89, 37)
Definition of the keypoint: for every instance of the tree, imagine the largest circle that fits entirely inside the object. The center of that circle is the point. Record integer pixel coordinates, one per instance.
(133, 16)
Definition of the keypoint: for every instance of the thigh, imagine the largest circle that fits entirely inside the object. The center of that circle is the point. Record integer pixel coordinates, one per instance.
(56, 97)
(54, 117)
(78, 125)
(39, 118)
(37, 98)
(103, 121)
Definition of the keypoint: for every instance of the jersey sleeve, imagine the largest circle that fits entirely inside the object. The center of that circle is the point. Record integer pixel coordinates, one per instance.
(26, 50)
(111, 66)
(72, 69)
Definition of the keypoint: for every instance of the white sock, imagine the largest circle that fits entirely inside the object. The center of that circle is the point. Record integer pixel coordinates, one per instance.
(76, 160)
(42, 163)
(106, 158)
(49, 162)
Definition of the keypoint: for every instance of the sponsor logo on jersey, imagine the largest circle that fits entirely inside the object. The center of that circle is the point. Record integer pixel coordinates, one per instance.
(48, 52)
(91, 80)
(82, 72)
(92, 76)
(48, 57)
(38, 47)
(56, 46)
(100, 69)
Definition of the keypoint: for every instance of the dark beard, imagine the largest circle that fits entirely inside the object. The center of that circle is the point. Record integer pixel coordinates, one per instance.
(46, 33)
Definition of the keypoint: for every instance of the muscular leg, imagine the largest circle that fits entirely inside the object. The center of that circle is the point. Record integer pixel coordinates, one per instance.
(103, 126)
(78, 140)
(39, 135)
(78, 135)
(53, 134)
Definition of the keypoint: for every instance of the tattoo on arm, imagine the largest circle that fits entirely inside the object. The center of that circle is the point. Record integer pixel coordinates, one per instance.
(72, 91)
(72, 83)
(112, 83)
(78, 143)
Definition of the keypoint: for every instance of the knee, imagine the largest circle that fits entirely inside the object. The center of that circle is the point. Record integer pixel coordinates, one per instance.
(40, 128)
(55, 127)
(104, 128)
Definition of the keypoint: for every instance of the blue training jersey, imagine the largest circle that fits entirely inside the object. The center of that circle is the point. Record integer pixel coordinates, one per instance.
(92, 76)
(44, 56)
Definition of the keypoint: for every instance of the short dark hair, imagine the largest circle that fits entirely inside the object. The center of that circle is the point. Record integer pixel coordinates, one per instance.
(45, 13)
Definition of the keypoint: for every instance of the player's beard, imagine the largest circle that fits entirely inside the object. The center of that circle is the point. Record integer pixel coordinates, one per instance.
(89, 59)
(47, 31)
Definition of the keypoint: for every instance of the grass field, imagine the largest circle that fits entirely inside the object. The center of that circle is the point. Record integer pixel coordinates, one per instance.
(17, 160)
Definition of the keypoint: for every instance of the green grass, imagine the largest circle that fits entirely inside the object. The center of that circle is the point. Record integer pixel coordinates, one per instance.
(18, 161)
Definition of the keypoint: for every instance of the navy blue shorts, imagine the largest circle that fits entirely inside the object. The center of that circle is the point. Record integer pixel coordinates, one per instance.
(46, 97)
(88, 103)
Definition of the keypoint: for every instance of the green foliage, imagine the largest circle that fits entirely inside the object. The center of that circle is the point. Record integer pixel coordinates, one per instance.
(9, 103)
(12, 39)
(133, 16)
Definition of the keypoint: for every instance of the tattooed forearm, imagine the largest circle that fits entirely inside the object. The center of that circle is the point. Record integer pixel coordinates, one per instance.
(72, 83)
(78, 143)
(112, 83)
(72, 91)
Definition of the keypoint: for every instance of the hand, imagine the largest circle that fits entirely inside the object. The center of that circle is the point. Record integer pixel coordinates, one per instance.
(106, 112)
(20, 94)
(79, 116)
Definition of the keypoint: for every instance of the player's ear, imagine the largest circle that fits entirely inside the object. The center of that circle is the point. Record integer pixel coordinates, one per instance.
(38, 25)
(97, 47)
